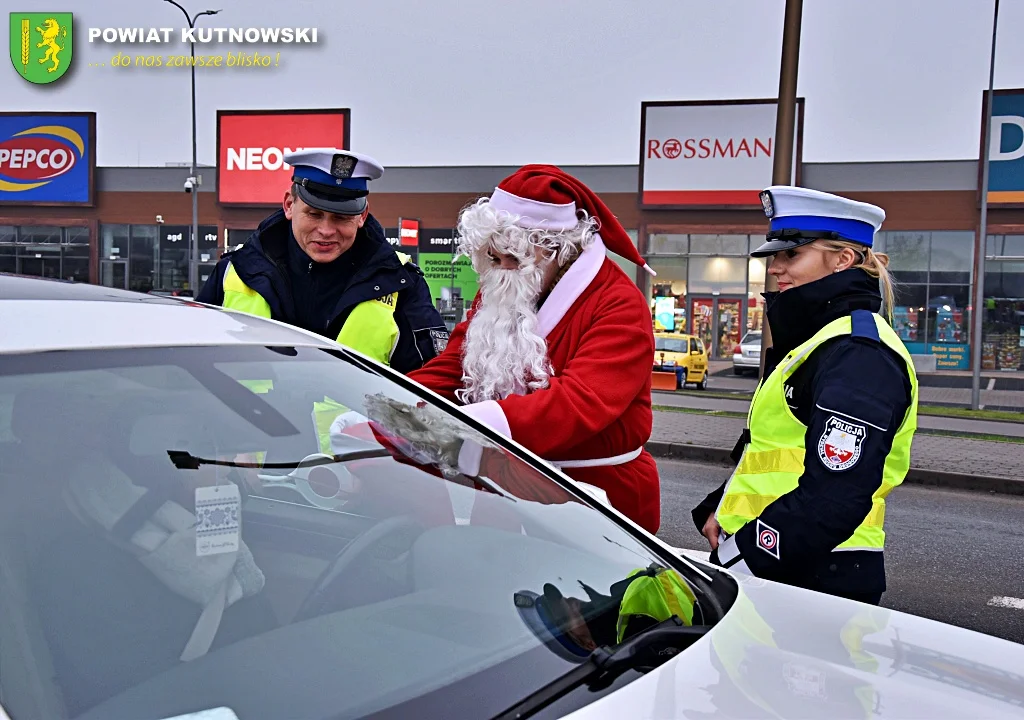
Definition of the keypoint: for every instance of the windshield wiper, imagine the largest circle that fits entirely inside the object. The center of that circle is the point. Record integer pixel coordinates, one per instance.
(648, 649)
(187, 461)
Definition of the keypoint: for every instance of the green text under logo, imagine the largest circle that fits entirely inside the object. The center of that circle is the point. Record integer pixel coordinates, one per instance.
(41, 45)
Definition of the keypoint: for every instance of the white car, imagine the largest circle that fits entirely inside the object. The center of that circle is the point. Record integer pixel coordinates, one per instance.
(746, 357)
(210, 515)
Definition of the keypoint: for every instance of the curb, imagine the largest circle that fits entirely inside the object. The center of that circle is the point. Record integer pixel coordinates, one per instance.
(916, 476)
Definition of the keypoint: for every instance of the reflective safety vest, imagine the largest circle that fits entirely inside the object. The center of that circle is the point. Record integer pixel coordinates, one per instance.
(655, 593)
(773, 460)
(370, 329)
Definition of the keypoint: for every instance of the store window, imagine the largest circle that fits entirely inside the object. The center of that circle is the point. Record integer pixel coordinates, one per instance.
(627, 266)
(659, 244)
(933, 273)
(719, 244)
(144, 253)
(668, 294)
(718, 275)
(756, 269)
(47, 251)
(8, 249)
(1003, 320)
(238, 237)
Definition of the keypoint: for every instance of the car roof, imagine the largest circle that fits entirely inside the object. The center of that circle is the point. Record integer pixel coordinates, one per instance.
(672, 335)
(41, 314)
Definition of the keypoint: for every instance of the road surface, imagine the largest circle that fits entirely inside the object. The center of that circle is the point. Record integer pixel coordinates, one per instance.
(950, 555)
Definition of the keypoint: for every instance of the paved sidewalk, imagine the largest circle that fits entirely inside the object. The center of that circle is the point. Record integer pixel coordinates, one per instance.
(996, 391)
(929, 452)
(928, 422)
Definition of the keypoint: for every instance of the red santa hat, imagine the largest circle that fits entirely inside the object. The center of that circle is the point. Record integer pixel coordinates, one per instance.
(543, 197)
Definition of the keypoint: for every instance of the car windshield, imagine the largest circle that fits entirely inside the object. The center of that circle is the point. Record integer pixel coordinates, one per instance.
(286, 532)
(679, 345)
(751, 338)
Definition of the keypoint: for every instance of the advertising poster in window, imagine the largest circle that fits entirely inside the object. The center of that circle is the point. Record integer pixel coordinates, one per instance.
(665, 314)
(47, 158)
(452, 285)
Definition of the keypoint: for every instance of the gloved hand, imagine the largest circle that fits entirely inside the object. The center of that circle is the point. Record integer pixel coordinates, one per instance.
(422, 432)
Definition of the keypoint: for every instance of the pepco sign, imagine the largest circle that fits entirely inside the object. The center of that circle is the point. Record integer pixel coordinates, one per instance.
(47, 158)
(251, 145)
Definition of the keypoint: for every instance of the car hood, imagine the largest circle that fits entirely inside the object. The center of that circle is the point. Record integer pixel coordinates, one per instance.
(783, 652)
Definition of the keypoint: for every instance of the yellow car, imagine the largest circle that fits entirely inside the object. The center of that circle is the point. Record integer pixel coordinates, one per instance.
(683, 354)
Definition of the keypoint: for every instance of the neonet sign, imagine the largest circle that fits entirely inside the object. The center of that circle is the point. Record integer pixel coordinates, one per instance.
(251, 145)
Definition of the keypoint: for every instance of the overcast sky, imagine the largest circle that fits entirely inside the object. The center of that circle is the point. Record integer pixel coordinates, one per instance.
(460, 82)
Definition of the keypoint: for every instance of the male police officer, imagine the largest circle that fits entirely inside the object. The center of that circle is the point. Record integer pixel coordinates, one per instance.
(322, 263)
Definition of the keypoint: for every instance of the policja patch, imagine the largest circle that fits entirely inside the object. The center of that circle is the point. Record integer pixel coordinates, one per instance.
(840, 444)
(440, 339)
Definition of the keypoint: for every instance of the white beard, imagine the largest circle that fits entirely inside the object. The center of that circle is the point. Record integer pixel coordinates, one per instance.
(503, 354)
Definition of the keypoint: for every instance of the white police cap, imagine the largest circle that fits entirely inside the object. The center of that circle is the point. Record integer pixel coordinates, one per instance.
(333, 180)
(801, 215)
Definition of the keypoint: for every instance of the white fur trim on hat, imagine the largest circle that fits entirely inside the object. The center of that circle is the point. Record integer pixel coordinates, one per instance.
(534, 214)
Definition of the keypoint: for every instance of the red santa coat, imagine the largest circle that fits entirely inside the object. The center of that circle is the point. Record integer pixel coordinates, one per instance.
(597, 408)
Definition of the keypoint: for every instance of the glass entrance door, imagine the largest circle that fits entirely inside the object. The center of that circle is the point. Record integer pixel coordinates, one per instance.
(718, 321)
(114, 273)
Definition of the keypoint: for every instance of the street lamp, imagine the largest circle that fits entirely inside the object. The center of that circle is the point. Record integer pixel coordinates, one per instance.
(978, 312)
(192, 183)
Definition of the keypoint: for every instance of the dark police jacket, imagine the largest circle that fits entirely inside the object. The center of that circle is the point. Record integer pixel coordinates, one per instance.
(825, 508)
(319, 297)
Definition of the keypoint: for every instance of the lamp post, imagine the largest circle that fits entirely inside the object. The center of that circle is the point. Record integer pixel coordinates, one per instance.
(785, 127)
(193, 261)
(978, 313)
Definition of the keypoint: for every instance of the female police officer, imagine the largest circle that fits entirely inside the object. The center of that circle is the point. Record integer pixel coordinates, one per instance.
(830, 427)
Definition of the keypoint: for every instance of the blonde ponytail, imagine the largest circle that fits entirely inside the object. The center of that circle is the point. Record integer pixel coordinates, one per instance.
(874, 264)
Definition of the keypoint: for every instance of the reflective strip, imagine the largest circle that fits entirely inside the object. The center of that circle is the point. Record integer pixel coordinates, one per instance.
(599, 462)
(241, 297)
(748, 506)
(371, 328)
(760, 462)
(744, 505)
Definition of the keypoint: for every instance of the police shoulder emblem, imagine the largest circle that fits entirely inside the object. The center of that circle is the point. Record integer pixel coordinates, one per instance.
(839, 446)
(41, 45)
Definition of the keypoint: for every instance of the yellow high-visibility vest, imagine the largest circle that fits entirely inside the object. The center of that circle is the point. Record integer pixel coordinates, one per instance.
(658, 594)
(370, 329)
(773, 460)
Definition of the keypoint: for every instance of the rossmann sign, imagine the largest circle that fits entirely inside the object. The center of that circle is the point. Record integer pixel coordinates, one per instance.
(711, 154)
(251, 145)
(47, 158)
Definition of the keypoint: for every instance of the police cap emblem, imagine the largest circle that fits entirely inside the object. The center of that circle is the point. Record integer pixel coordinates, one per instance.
(342, 166)
(767, 203)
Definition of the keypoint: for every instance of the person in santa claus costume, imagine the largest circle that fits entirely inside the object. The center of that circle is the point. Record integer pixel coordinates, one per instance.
(556, 350)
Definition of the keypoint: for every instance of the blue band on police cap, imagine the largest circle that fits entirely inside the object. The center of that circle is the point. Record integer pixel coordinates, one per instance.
(319, 176)
(852, 230)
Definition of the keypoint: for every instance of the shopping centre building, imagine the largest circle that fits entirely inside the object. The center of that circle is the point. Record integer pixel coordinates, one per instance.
(131, 226)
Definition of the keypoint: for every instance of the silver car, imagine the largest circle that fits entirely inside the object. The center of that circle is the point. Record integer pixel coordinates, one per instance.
(746, 358)
(210, 515)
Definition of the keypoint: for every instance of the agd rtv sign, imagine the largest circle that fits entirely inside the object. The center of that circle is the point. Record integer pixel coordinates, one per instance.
(47, 158)
(1006, 150)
